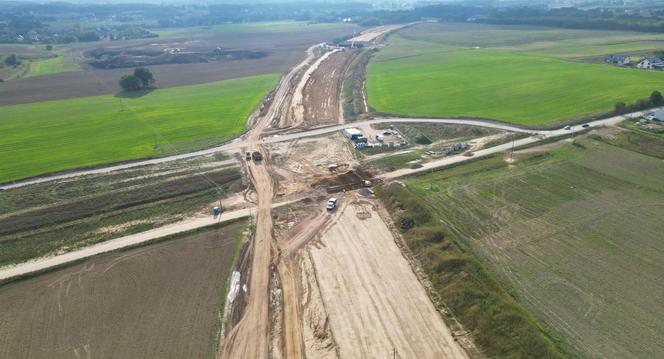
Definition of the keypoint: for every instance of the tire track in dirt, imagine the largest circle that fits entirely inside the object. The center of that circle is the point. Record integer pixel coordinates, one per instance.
(377, 306)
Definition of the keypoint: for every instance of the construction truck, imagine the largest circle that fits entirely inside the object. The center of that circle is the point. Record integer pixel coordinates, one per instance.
(256, 156)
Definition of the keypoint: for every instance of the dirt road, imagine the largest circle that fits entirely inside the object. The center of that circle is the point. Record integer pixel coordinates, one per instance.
(249, 338)
(376, 304)
(297, 111)
(130, 240)
(322, 93)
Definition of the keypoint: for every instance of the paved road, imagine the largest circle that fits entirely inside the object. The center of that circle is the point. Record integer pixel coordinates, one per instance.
(240, 143)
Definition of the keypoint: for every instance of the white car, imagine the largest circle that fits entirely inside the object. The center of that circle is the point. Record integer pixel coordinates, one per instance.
(331, 204)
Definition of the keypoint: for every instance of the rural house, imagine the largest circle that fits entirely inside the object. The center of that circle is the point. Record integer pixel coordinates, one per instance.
(620, 60)
(650, 64)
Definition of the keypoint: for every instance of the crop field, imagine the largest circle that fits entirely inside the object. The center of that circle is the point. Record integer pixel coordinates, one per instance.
(157, 301)
(53, 136)
(516, 76)
(284, 42)
(51, 66)
(573, 231)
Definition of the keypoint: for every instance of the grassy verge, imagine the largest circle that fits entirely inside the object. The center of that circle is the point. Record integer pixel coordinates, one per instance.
(52, 136)
(353, 87)
(501, 327)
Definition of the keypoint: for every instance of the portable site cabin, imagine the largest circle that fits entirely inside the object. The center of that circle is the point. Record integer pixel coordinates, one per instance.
(352, 133)
(659, 115)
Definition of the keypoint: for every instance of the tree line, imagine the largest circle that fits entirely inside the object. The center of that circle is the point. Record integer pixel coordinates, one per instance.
(655, 99)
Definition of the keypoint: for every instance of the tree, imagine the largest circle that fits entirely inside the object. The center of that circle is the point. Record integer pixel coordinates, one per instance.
(12, 60)
(49, 47)
(656, 98)
(130, 83)
(145, 76)
(620, 108)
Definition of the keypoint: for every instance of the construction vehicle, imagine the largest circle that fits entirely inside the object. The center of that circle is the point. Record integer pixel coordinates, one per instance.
(256, 156)
(331, 204)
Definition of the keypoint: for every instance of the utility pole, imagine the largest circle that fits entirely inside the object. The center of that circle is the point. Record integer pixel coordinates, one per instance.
(512, 151)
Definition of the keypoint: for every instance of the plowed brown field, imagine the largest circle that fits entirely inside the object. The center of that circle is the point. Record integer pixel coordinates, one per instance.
(158, 301)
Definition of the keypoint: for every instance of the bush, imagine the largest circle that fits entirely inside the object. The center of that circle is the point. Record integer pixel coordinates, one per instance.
(130, 83)
(433, 234)
(12, 60)
(423, 140)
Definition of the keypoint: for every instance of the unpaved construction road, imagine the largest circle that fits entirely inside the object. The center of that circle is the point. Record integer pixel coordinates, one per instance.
(322, 93)
(376, 304)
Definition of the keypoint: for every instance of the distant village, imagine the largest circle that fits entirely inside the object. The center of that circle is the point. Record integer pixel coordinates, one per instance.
(644, 63)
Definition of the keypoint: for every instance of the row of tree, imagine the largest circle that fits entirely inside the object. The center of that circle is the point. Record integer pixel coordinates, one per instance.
(655, 99)
(141, 79)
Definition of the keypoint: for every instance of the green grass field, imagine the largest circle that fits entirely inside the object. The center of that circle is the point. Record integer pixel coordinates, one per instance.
(51, 66)
(45, 137)
(573, 231)
(518, 76)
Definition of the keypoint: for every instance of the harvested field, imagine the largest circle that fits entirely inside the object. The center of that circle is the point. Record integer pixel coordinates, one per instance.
(157, 301)
(574, 231)
(375, 303)
(322, 91)
(284, 49)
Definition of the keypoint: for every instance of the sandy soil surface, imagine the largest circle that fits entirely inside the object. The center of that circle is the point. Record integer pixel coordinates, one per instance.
(300, 163)
(373, 33)
(298, 105)
(375, 303)
(322, 93)
(249, 338)
(158, 301)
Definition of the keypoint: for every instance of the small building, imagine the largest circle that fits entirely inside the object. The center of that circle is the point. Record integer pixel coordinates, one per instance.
(620, 60)
(650, 64)
(352, 133)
